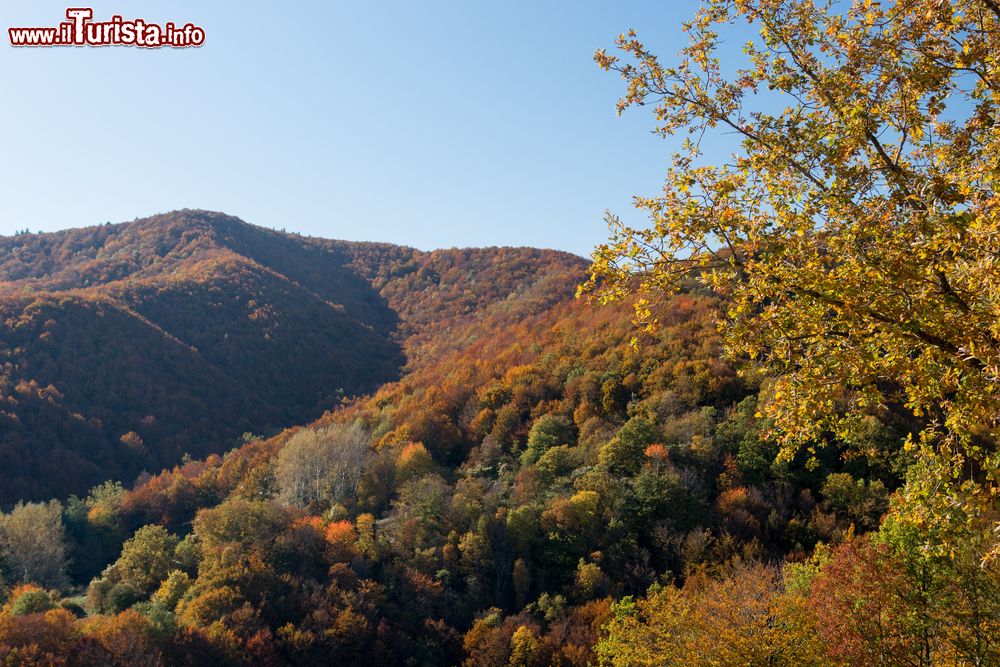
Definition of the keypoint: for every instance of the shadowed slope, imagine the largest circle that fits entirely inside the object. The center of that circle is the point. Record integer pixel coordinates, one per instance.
(126, 346)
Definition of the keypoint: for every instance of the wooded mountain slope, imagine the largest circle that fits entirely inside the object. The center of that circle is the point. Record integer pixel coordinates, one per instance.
(532, 489)
(127, 346)
(530, 467)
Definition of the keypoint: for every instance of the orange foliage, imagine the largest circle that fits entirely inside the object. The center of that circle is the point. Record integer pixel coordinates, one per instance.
(342, 540)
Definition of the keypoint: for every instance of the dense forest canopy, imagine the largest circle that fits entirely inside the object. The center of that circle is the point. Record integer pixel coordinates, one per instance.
(792, 460)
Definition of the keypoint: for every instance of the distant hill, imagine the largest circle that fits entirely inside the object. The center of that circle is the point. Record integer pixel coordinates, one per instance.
(126, 346)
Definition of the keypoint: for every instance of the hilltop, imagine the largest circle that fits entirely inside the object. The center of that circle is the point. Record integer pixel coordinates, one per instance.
(128, 346)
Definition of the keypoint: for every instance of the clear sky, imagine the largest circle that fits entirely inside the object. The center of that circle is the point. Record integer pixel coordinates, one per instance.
(431, 124)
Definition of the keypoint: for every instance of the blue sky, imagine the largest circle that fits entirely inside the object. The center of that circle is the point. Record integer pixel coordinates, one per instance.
(431, 124)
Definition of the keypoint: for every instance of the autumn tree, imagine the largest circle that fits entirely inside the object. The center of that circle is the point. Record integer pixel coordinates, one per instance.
(879, 599)
(322, 465)
(855, 229)
(744, 617)
(414, 461)
(41, 639)
(33, 543)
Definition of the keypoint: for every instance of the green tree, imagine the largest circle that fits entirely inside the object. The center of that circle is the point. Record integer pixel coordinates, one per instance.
(863, 502)
(547, 432)
(146, 558)
(30, 600)
(174, 586)
(626, 452)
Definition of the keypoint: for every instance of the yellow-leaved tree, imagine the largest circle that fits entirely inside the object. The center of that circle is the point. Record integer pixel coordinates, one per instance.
(855, 232)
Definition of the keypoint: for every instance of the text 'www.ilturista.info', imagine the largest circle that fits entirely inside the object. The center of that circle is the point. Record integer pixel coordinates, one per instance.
(81, 30)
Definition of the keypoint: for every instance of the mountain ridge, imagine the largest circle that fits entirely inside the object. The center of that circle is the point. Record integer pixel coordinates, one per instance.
(242, 328)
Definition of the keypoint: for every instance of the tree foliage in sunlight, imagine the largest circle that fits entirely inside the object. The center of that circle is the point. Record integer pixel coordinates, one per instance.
(856, 230)
(744, 617)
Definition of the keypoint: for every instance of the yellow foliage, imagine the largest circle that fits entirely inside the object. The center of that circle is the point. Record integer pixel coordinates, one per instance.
(855, 233)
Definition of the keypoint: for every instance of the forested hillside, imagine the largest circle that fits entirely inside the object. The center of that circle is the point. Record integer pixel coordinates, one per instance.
(766, 433)
(530, 467)
(128, 346)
